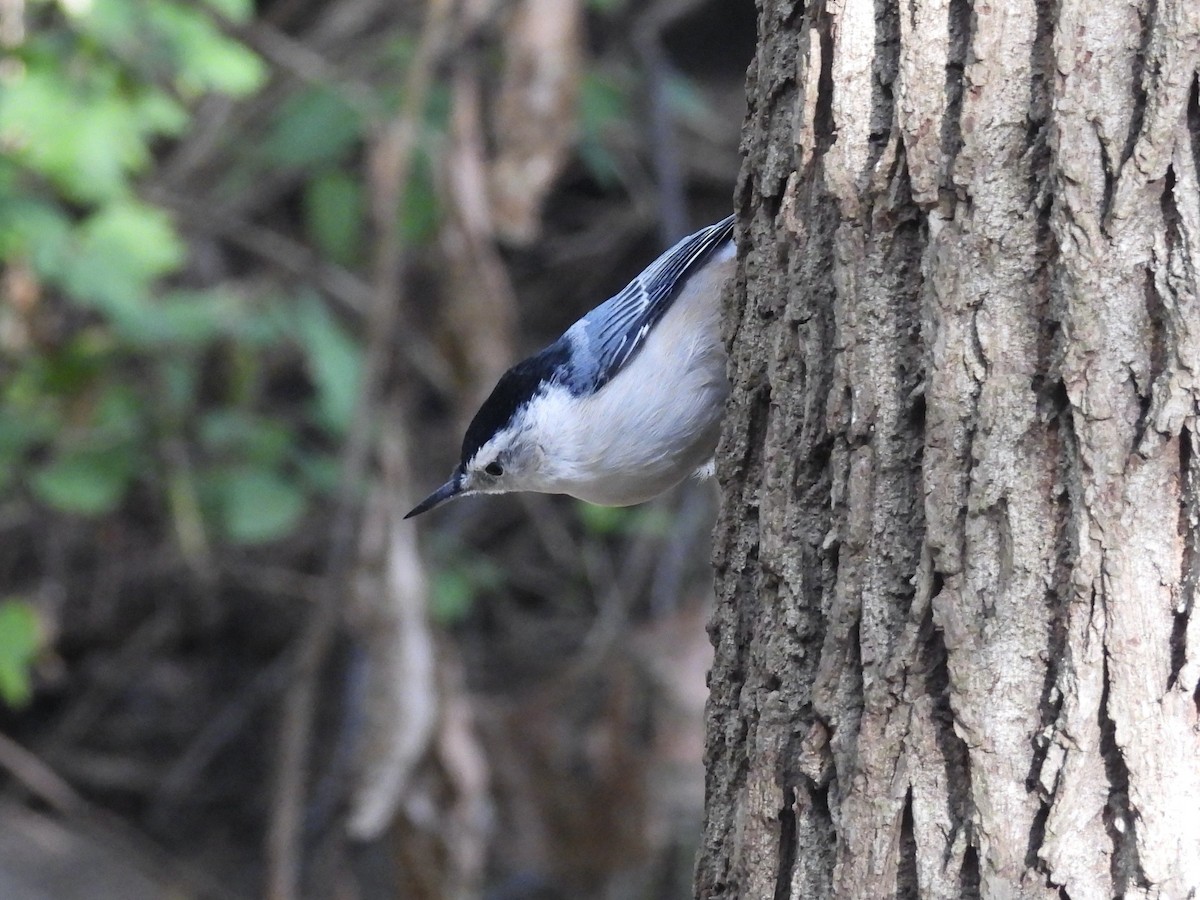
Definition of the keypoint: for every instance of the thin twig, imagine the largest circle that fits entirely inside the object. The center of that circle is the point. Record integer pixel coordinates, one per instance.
(122, 669)
(37, 777)
(225, 725)
(305, 64)
(614, 592)
(102, 826)
(290, 255)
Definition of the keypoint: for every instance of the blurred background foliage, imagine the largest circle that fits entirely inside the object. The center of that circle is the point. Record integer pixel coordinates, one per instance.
(260, 263)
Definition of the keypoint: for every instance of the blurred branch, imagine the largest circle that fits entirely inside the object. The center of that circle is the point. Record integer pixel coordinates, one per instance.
(208, 135)
(307, 65)
(12, 22)
(341, 22)
(123, 668)
(390, 158)
(223, 727)
(481, 309)
(291, 256)
(278, 581)
(535, 119)
(47, 786)
(401, 696)
(614, 589)
(647, 37)
(38, 778)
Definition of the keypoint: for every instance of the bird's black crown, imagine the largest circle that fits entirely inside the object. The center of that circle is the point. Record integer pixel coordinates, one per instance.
(514, 390)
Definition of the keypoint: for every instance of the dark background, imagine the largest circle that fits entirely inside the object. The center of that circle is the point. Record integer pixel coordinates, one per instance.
(260, 264)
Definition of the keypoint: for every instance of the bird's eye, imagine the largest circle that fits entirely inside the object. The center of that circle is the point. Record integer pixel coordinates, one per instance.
(494, 469)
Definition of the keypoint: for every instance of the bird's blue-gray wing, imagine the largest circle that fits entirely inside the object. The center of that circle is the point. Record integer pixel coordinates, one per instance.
(610, 335)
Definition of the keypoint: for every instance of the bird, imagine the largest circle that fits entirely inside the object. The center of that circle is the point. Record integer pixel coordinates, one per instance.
(626, 404)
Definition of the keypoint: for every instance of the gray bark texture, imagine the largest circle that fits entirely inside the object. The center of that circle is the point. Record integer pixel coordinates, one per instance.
(957, 649)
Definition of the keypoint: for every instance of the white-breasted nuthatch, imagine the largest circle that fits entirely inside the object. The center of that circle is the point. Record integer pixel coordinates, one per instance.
(627, 403)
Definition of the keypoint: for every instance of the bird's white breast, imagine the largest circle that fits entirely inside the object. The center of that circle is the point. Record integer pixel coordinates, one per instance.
(658, 420)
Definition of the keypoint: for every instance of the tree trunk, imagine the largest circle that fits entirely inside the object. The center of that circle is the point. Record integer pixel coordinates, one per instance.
(957, 652)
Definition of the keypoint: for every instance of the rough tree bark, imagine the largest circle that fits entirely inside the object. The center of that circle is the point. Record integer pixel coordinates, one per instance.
(957, 653)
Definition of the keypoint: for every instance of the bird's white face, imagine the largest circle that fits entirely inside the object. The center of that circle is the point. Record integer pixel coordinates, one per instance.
(510, 461)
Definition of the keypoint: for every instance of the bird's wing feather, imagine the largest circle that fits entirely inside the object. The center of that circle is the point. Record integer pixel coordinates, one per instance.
(608, 337)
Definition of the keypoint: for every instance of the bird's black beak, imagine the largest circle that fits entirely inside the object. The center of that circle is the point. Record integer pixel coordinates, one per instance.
(451, 488)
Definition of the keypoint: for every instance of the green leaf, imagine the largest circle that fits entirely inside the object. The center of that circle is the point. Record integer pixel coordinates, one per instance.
(419, 217)
(20, 641)
(118, 415)
(333, 213)
(17, 433)
(173, 40)
(256, 504)
(85, 482)
(651, 520)
(35, 230)
(178, 381)
(603, 104)
(686, 100)
(121, 250)
(244, 435)
(159, 112)
(315, 127)
(603, 519)
(116, 24)
(85, 140)
(76, 366)
(451, 596)
(266, 321)
(454, 590)
(185, 318)
(322, 472)
(204, 58)
(26, 410)
(334, 362)
(194, 318)
(603, 100)
(20, 432)
(235, 10)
